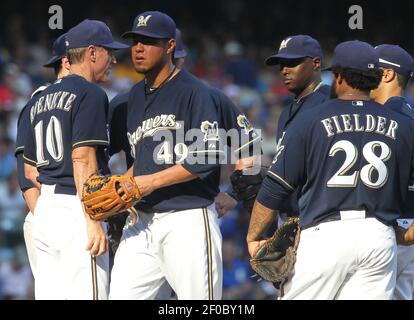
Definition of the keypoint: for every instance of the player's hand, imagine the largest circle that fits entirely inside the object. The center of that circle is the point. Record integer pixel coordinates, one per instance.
(145, 184)
(253, 246)
(97, 238)
(224, 203)
(405, 237)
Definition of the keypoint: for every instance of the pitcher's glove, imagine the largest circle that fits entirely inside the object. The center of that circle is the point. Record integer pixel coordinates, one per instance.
(275, 259)
(104, 196)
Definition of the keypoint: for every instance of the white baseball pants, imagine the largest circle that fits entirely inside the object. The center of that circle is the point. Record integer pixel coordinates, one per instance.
(404, 288)
(28, 240)
(64, 268)
(183, 248)
(344, 259)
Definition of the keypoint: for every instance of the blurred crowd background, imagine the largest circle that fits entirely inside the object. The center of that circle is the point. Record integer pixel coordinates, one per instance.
(227, 43)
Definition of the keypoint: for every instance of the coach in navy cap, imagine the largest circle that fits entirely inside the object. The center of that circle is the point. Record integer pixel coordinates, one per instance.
(91, 32)
(89, 48)
(153, 24)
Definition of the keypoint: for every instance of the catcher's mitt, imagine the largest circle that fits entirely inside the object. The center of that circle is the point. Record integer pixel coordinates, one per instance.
(275, 259)
(246, 187)
(104, 196)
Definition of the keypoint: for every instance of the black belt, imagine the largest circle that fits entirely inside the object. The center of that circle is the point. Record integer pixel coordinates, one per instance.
(69, 190)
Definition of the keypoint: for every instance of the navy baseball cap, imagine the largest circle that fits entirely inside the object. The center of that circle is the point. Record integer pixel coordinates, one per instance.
(179, 48)
(394, 57)
(355, 54)
(296, 47)
(92, 32)
(153, 24)
(58, 51)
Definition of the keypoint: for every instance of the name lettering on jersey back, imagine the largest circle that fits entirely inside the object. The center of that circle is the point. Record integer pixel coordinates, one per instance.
(360, 123)
(152, 125)
(61, 100)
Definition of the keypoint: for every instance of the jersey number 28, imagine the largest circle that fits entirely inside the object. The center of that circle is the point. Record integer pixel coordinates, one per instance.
(340, 179)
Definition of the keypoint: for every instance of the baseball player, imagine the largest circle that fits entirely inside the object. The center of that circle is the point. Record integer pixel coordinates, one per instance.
(242, 139)
(299, 58)
(176, 238)
(60, 64)
(398, 67)
(65, 145)
(353, 159)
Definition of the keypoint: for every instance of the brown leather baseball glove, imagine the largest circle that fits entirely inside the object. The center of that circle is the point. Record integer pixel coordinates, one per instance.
(104, 196)
(275, 259)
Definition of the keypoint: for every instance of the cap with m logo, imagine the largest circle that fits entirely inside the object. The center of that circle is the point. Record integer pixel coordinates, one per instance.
(284, 43)
(142, 21)
(152, 24)
(296, 47)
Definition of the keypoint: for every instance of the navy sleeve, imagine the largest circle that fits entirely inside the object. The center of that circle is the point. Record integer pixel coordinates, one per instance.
(24, 183)
(204, 149)
(118, 110)
(29, 149)
(242, 138)
(272, 194)
(90, 119)
(23, 129)
(287, 171)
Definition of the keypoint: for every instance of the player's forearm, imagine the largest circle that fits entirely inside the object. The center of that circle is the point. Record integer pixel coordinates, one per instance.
(84, 164)
(31, 195)
(130, 171)
(173, 175)
(31, 174)
(260, 220)
(164, 178)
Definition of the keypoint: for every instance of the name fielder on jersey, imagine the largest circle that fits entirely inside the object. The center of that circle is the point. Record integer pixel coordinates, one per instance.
(346, 177)
(357, 123)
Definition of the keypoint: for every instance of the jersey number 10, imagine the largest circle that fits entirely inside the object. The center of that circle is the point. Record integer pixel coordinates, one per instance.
(340, 179)
(54, 143)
